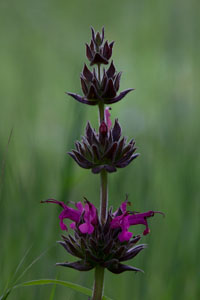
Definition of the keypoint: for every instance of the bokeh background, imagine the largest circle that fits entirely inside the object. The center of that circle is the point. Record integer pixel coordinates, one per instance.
(41, 56)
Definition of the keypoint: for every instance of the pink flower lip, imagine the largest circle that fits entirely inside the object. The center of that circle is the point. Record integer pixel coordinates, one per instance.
(88, 211)
(126, 219)
(85, 217)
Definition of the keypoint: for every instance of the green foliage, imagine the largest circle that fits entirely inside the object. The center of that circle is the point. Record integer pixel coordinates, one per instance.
(42, 54)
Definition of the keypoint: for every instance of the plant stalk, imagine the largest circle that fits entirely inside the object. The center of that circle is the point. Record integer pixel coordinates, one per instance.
(101, 113)
(103, 196)
(101, 104)
(98, 283)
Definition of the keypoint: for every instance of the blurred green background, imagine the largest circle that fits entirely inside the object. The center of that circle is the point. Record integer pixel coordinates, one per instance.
(41, 56)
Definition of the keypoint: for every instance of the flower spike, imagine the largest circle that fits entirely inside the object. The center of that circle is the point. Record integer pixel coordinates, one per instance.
(104, 241)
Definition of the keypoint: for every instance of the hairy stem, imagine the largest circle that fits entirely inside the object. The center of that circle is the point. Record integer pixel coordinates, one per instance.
(98, 283)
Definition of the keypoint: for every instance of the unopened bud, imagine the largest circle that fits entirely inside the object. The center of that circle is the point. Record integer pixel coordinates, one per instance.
(98, 39)
(103, 129)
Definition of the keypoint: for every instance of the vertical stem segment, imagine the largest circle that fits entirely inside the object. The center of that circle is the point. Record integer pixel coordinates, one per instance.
(104, 195)
(101, 113)
(101, 104)
(98, 283)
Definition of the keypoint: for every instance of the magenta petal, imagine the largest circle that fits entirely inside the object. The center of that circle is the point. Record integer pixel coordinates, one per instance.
(62, 225)
(146, 231)
(125, 236)
(90, 215)
(107, 117)
(90, 228)
(62, 204)
(83, 228)
(73, 225)
(86, 228)
(124, 206)
(79, 206)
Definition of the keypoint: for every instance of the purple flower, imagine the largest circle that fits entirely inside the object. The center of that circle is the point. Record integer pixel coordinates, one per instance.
(85, 218)
(88, 212)
(126, 219)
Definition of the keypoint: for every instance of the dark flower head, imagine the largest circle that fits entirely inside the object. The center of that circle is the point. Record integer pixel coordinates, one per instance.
(103, 90)
(95, 244)
(99, 52)
(105, 149)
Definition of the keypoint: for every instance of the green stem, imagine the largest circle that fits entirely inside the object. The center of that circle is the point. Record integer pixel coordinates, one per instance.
(99, 72)
(101, 112)
(98, 283)
(101, 104)
(104, 195)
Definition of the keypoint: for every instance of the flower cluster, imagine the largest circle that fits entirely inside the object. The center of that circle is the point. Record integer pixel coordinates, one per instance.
(106, 244)
(105, 149)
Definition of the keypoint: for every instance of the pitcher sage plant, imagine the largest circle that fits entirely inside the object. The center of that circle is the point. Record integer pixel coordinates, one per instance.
(101, 238)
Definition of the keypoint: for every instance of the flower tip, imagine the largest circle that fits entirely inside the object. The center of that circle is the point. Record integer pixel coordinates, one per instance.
(107, 117)
(103, 128)
(146, 231)
(160, 212)
(92, 29)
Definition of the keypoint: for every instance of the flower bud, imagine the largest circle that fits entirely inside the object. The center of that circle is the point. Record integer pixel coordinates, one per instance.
(103, 129)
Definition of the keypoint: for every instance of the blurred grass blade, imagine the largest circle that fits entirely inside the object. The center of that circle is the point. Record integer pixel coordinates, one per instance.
(16, 271)
(20, 263)
(5, 296)
(71, 285)
(31, 264)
